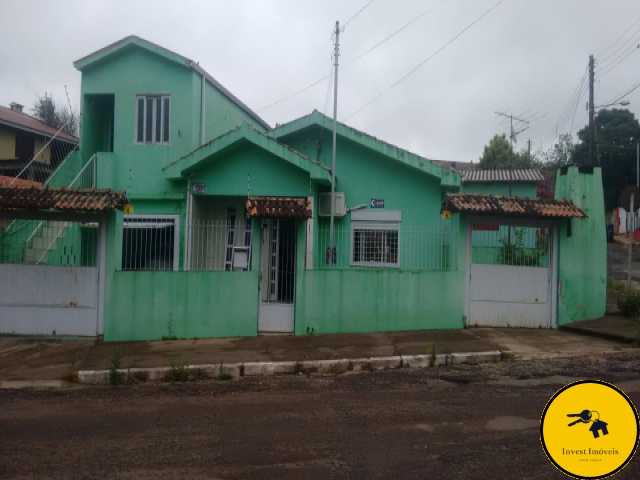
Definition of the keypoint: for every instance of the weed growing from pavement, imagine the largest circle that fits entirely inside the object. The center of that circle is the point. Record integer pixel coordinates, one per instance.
(350, 365)
(71, 376)
(115, 376)
(432, 358)
(334, 369)
(297, 368)
(223, 375)
(170, 335)
(179, 371)
(368, 367)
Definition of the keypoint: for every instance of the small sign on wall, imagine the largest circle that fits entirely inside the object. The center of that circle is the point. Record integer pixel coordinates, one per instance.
(128, 209)
(446, 214)
(377, 203)
(198, 188)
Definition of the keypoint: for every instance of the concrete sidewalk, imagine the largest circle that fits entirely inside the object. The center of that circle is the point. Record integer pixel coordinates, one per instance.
(612, 327)
(54, 359)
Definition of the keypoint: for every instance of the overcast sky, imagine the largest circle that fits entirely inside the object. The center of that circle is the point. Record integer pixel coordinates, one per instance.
(526, 56)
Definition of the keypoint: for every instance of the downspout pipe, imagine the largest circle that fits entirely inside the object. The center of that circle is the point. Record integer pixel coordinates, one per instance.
(187, 230)
(197, 68)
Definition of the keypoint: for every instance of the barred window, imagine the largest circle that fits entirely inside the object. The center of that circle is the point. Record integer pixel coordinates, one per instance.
(150, 242)
(375, 239)
(152, 119)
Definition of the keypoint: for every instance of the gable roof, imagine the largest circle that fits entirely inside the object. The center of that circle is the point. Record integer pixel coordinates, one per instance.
(519, 175)
(180, 167)
(447, 176)
(22, 121)
(133, 40)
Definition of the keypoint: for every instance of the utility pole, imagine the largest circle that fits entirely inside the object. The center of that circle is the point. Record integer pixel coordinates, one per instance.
(336, 54)
(631, 217)
(529, 151)
(592, 126)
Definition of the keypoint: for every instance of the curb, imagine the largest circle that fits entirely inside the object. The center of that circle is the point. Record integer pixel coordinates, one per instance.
(593, 333)
(250, 369)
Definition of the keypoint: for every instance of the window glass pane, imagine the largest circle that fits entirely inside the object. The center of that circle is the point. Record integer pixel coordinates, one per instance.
(375, 246)
(140, 123)
(158, 110)
(149, 121)
(165, 116)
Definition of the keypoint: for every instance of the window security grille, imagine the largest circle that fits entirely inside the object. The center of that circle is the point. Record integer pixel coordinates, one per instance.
(150, 242)
(152, 119)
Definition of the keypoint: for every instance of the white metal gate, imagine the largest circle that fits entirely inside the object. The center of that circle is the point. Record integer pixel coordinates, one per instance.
(511, 272)
(49, 278)
(277, 276)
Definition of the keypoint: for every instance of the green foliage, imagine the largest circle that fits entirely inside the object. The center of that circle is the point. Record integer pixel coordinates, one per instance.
(629, 304)
(170, 335)
(179, 370)
(514, 253)
(297, 368)
(115, 376)
(617, 132)
(500, 154)
(616, 285)
(46, 110)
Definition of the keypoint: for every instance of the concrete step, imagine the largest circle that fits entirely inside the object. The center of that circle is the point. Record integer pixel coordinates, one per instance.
(35, 254)
(44, 243)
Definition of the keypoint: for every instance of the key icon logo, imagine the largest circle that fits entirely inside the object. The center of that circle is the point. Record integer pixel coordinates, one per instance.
(587, 416)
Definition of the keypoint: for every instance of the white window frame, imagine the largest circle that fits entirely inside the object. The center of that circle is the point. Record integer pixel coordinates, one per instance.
(154, 141)
(176, 238)
(383, 220)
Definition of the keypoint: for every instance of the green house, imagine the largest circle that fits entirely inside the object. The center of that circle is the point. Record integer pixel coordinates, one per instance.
(228, 231)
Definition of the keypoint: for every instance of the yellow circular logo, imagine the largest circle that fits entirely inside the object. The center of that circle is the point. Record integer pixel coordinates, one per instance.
(589, 429)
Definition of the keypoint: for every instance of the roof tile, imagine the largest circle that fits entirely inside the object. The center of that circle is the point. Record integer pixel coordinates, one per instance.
(279, 207)
(69, 199)
(499, 205)
(502, 175)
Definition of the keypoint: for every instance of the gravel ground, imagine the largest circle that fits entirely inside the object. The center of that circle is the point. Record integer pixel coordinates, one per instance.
(448, 422)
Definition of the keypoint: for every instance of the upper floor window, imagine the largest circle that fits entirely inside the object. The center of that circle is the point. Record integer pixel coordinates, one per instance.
(152, 118)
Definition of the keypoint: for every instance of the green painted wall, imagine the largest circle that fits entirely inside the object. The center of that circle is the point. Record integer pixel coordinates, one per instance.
(198, 304)
(374, 300)
(518, 189)
(582, 255)
(251, 170)
(138, 168)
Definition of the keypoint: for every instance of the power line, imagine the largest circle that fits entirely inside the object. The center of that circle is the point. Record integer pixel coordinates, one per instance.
(629, 51)
(620, 37)
(634, 87)
(359, 12)
(612, 57)
(347, 64)
(566, 113)
(426, 60)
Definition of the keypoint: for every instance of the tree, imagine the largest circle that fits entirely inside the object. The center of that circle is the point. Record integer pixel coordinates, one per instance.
(551, 160)
(500, 154)
(617, 132)
(48, 112)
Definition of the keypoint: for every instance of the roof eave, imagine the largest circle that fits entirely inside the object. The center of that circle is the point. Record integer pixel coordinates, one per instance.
(448, 177)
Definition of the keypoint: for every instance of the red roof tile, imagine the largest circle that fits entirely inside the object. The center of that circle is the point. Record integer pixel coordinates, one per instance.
(499, 205)
(278, 207)
(69, 199)
(5, 180)
(24, 121)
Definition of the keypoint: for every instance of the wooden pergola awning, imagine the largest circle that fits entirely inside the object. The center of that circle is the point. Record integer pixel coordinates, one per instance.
(279, 207)
(500, 205)
(67, 199)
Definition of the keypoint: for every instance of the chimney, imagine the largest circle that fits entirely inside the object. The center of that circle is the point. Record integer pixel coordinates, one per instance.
(16, 107)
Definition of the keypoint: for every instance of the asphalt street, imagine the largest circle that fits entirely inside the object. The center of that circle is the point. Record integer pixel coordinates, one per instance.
(475, 421)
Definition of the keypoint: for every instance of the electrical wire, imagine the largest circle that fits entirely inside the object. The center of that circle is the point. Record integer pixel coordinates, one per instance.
(619, 38)
(620, 97)
(359, 12)
(411, 72)
(350, 62)
(630, 51)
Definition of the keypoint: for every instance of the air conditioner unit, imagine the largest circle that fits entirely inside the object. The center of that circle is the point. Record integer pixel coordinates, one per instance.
(325, 205)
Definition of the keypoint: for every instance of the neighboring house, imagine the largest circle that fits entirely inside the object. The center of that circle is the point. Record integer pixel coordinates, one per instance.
(22, 137)
(516, 182)
(227, 230)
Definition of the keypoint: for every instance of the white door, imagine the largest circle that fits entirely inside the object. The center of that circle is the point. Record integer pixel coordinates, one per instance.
(510, 274)
(277, 276)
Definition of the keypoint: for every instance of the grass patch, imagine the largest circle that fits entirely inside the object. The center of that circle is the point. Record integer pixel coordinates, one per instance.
(179, 370)
(334, 369)
(115, 376)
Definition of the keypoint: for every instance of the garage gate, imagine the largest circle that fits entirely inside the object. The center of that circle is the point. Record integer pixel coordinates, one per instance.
(50, 275)
(511, 273)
